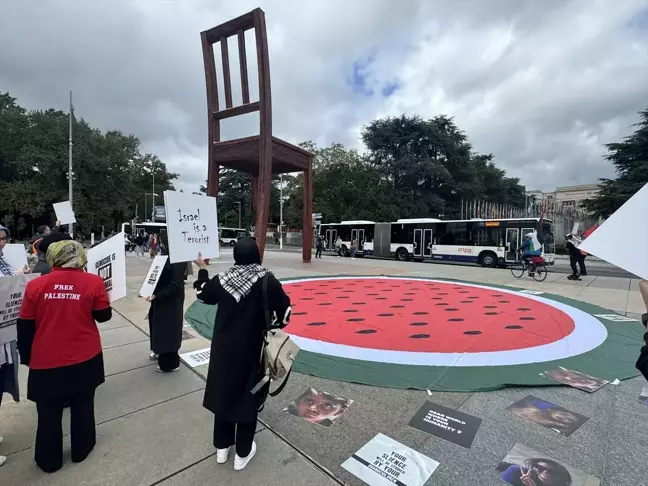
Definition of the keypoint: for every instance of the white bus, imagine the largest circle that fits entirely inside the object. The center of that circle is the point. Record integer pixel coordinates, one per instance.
(361, 231)
(148, 227)
(229, 236)
(489, 242)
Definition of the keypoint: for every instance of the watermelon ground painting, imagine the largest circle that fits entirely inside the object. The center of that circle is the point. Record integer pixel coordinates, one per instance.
(450, 335)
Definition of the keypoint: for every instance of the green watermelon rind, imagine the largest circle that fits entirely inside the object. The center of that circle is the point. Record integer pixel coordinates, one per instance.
(613, 359)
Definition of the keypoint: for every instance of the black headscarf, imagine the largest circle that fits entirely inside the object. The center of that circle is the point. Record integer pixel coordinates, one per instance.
(247, 269)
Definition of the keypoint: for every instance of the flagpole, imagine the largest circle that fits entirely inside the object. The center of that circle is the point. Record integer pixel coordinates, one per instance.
(70, 173)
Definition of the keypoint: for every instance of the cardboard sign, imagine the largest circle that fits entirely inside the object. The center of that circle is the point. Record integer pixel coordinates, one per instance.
(192, 225)
(15, 255)
(153, 275)
(446, 423)
(64, 212)
(12, 290)
(108, 260)
(196, 358)
(604, 242)
(384, 462)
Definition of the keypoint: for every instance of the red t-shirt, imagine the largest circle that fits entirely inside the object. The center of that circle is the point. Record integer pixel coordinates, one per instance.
(61, 303)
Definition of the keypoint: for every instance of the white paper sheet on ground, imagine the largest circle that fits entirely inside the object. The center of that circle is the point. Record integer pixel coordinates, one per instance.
(384, 462)
(608, 243)
(153, 275)
(196, 358)
(108, 260)
(192, 225)
(64, 212)
(16, 256)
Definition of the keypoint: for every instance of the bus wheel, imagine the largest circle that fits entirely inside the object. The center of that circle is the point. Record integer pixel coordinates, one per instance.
(402, 255)
(232, 243)
(488, 259)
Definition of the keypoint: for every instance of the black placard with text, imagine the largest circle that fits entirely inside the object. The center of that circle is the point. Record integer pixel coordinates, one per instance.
(446, 423)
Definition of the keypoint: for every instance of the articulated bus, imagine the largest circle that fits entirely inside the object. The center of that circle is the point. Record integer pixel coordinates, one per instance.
(491, 242)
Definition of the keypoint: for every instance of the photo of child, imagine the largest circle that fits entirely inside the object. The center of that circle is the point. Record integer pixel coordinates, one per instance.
(549, 415)
(575, 379)
(319, 408)
(523, 466)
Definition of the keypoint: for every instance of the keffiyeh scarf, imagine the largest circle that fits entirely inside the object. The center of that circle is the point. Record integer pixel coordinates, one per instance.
(5, 268)
(239, 279)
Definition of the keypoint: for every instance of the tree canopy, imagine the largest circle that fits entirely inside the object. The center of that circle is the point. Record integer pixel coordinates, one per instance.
(111, 175)
(630, 159)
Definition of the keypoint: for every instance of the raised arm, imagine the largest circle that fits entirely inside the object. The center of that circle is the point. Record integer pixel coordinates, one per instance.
(278, 301)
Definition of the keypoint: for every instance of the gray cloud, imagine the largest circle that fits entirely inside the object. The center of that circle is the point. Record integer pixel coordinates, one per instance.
(542, 85)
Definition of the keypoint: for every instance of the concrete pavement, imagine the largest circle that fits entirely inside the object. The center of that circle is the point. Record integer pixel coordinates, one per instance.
(153, 430)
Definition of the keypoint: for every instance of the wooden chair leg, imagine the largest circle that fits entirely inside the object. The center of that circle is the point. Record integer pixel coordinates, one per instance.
(262, 212)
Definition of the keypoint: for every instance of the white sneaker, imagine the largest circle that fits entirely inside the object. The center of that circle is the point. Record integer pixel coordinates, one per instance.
(241, 462)
(153, 356)
(3, 459)
(222, 455)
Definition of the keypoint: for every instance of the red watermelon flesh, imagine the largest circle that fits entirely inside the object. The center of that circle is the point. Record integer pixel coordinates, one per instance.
(422, 316)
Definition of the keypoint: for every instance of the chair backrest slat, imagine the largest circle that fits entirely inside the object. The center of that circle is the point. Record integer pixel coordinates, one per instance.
(227, 78)
(245, 85)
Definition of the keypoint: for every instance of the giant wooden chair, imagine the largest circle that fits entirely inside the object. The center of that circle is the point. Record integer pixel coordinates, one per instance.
(262, 155)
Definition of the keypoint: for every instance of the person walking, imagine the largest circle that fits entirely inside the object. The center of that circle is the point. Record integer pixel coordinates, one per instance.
(574, 256)
(239, 330)
(59, 341)
(139, 244)
(166, 313)
(319, 246)
(338, 246)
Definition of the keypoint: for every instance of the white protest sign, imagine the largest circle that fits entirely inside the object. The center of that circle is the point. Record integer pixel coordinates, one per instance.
(153, 275)
(192, 226)
(64, 212)
(384, 462)
(108, 260)
(605, 242)
(196, 358)
(11, 297)
(15, 255)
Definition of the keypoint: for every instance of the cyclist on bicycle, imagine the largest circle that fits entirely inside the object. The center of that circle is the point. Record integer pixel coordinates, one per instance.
(530, 248)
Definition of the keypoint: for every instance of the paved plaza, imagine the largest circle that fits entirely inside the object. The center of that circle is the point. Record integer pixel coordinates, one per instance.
(153, 430)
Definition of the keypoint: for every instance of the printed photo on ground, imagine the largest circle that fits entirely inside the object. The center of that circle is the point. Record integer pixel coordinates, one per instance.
(643, 396)
(523, 466)
(575, 379)
(319, 408)
(548, 414)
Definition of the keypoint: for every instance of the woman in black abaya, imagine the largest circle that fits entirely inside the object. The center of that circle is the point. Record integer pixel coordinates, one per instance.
(235, 364)
(166, 313)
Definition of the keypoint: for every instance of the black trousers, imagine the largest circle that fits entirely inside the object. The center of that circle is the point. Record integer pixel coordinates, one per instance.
(226, 434)
(168, 361)
(318, 253)
(572, 263)
(49, 434)
(581, 264)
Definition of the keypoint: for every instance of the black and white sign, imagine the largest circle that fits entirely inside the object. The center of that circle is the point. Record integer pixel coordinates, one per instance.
(12, 290)
(446, 423)
(383, 461)
(108, 260)
(196, 358)
(153, 275)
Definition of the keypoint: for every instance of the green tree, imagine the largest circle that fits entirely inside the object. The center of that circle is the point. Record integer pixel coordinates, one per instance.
(630, 159)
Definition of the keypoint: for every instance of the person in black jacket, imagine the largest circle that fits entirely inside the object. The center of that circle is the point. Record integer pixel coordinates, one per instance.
(42, 266)
(166, 314)
(235, 359)
(574, 257)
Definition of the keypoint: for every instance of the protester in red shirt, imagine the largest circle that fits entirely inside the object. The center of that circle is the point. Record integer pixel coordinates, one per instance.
(59, 340)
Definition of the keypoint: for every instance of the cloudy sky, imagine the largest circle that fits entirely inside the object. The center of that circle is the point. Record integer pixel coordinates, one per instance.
(541, 84)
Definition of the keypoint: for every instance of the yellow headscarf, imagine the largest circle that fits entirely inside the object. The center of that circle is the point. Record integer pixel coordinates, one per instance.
(66, 254)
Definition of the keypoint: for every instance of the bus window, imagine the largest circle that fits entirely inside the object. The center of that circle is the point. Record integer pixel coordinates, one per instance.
(488, 237)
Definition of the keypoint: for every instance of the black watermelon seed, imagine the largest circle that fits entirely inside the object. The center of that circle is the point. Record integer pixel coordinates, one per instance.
(513, 327)
(466, 302)
(464, 292)
(309, 289)
(491, 313)
(442, 293)
(527, 318)
(342, 297)
(321, 293)
(385, 315)
(490, 307)
(472, 297)
(436, 298)
(394, 286)
(381, 298)
(351, 310)
(316, 323)
(358, 303)
(420, 313)
(497, 295)
(523, 309)
(455, 319)
(503, 301)
(366, 331)
(338, 288)
(409, 293)
(451, 309)
(298, 314)
(355, 319)
(415, 289)
(441, 303)
(406, 300)
(350, 283)
(386, 290)
(472, 333)
(348, 291)
(324, 303)
(396, 306)
(372, 294)
(418, 323)
(296, 285)
(369, 287)
(306, 298)
(419, 336)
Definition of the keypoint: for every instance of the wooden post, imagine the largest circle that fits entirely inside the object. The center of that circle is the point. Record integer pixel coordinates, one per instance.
(308, 214)
(212, 107)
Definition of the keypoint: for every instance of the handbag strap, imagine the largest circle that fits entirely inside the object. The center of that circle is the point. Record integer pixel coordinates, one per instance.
(266, 305)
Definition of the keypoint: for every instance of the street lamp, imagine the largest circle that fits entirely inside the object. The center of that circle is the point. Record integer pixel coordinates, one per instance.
(239, 213)
(152, 194)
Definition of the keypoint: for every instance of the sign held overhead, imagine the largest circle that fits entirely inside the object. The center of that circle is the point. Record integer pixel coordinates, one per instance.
(64, 212)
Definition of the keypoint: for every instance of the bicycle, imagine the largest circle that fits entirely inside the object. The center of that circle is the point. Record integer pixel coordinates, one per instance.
(536, 268)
